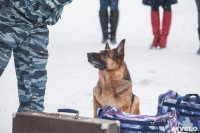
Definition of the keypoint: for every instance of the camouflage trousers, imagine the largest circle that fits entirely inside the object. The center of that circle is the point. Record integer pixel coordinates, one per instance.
(28, 43)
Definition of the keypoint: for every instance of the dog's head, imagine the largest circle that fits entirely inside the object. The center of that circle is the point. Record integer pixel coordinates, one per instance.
(108, 59)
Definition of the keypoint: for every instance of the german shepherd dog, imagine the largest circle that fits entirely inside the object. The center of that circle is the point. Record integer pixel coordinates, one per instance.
(114, 87)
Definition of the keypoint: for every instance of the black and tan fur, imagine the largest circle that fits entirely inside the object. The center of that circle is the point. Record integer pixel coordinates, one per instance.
(114, 86)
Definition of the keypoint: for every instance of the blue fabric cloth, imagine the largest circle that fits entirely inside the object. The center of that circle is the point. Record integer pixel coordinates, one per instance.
(159, 2)
(187, 108)
(113, 4)
(131, 123)
(28, 43)
(41, 11)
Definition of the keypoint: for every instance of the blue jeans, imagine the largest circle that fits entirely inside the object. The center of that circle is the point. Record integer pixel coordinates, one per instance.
(112, 3)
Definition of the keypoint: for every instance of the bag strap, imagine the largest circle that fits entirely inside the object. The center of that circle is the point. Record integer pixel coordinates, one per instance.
(187, 98)
(163, 95)
(145, 124)
(99, 112)
(181, 107)
(134, 122)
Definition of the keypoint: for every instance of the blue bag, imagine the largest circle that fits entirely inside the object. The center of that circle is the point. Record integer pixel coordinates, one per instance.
(187, 108)
(131, 123)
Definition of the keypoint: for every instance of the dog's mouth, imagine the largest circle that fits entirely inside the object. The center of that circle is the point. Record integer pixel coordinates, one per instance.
(97, 63)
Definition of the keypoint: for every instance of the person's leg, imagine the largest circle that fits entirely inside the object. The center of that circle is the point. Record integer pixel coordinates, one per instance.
(103, 16)
(154, 8)
(167, 16)
(114, 18)
(155, 21)
(30, 62)
(104, 5)
(5, 54)
(198, 9)
(114, 5)
(8, 35)
(21, 67)
(167, 8)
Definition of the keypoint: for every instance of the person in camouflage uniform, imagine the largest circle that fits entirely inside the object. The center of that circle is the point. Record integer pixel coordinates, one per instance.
(24, 31)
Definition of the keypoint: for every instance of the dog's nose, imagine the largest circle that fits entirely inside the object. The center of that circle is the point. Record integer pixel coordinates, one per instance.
(89, 55)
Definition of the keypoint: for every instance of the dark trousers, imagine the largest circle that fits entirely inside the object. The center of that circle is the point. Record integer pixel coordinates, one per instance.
(113, 4)
(165, 8)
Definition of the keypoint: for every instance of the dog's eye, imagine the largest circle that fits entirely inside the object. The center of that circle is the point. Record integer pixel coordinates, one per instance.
(104, 53)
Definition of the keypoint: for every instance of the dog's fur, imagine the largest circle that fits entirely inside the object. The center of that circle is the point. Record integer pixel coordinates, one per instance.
(114, 86)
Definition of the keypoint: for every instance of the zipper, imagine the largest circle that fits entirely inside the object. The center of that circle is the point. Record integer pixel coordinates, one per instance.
(180, 106)
(187, 115)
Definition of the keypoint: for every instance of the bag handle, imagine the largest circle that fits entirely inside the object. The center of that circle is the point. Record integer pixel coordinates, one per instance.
(187, 98)
(69, 111)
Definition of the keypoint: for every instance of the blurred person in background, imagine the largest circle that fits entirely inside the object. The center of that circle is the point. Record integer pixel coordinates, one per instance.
(198, 8)
(160, 36)
(111, 17)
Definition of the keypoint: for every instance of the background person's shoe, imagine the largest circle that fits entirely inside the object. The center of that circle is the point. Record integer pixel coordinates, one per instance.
(103, 15)
(114, 18)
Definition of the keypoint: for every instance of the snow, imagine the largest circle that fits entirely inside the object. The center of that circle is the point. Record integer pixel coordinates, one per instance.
(71, 78)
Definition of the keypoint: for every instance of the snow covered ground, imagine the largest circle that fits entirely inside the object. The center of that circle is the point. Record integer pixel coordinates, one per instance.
(71, 78)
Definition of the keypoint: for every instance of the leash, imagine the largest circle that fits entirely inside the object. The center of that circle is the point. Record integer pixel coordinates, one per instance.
(132, 99)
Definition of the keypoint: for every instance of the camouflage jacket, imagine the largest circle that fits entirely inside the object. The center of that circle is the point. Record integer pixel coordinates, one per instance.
(41, 11)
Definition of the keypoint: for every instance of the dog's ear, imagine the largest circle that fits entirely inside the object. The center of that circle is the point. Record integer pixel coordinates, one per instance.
(107, 46)
(120, 47)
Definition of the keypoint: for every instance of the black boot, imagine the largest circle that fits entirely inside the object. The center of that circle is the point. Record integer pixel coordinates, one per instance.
(103, 15)
(198, 52)
(114, 17)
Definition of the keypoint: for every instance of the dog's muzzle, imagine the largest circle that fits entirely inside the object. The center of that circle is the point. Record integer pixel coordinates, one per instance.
(94, 59)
